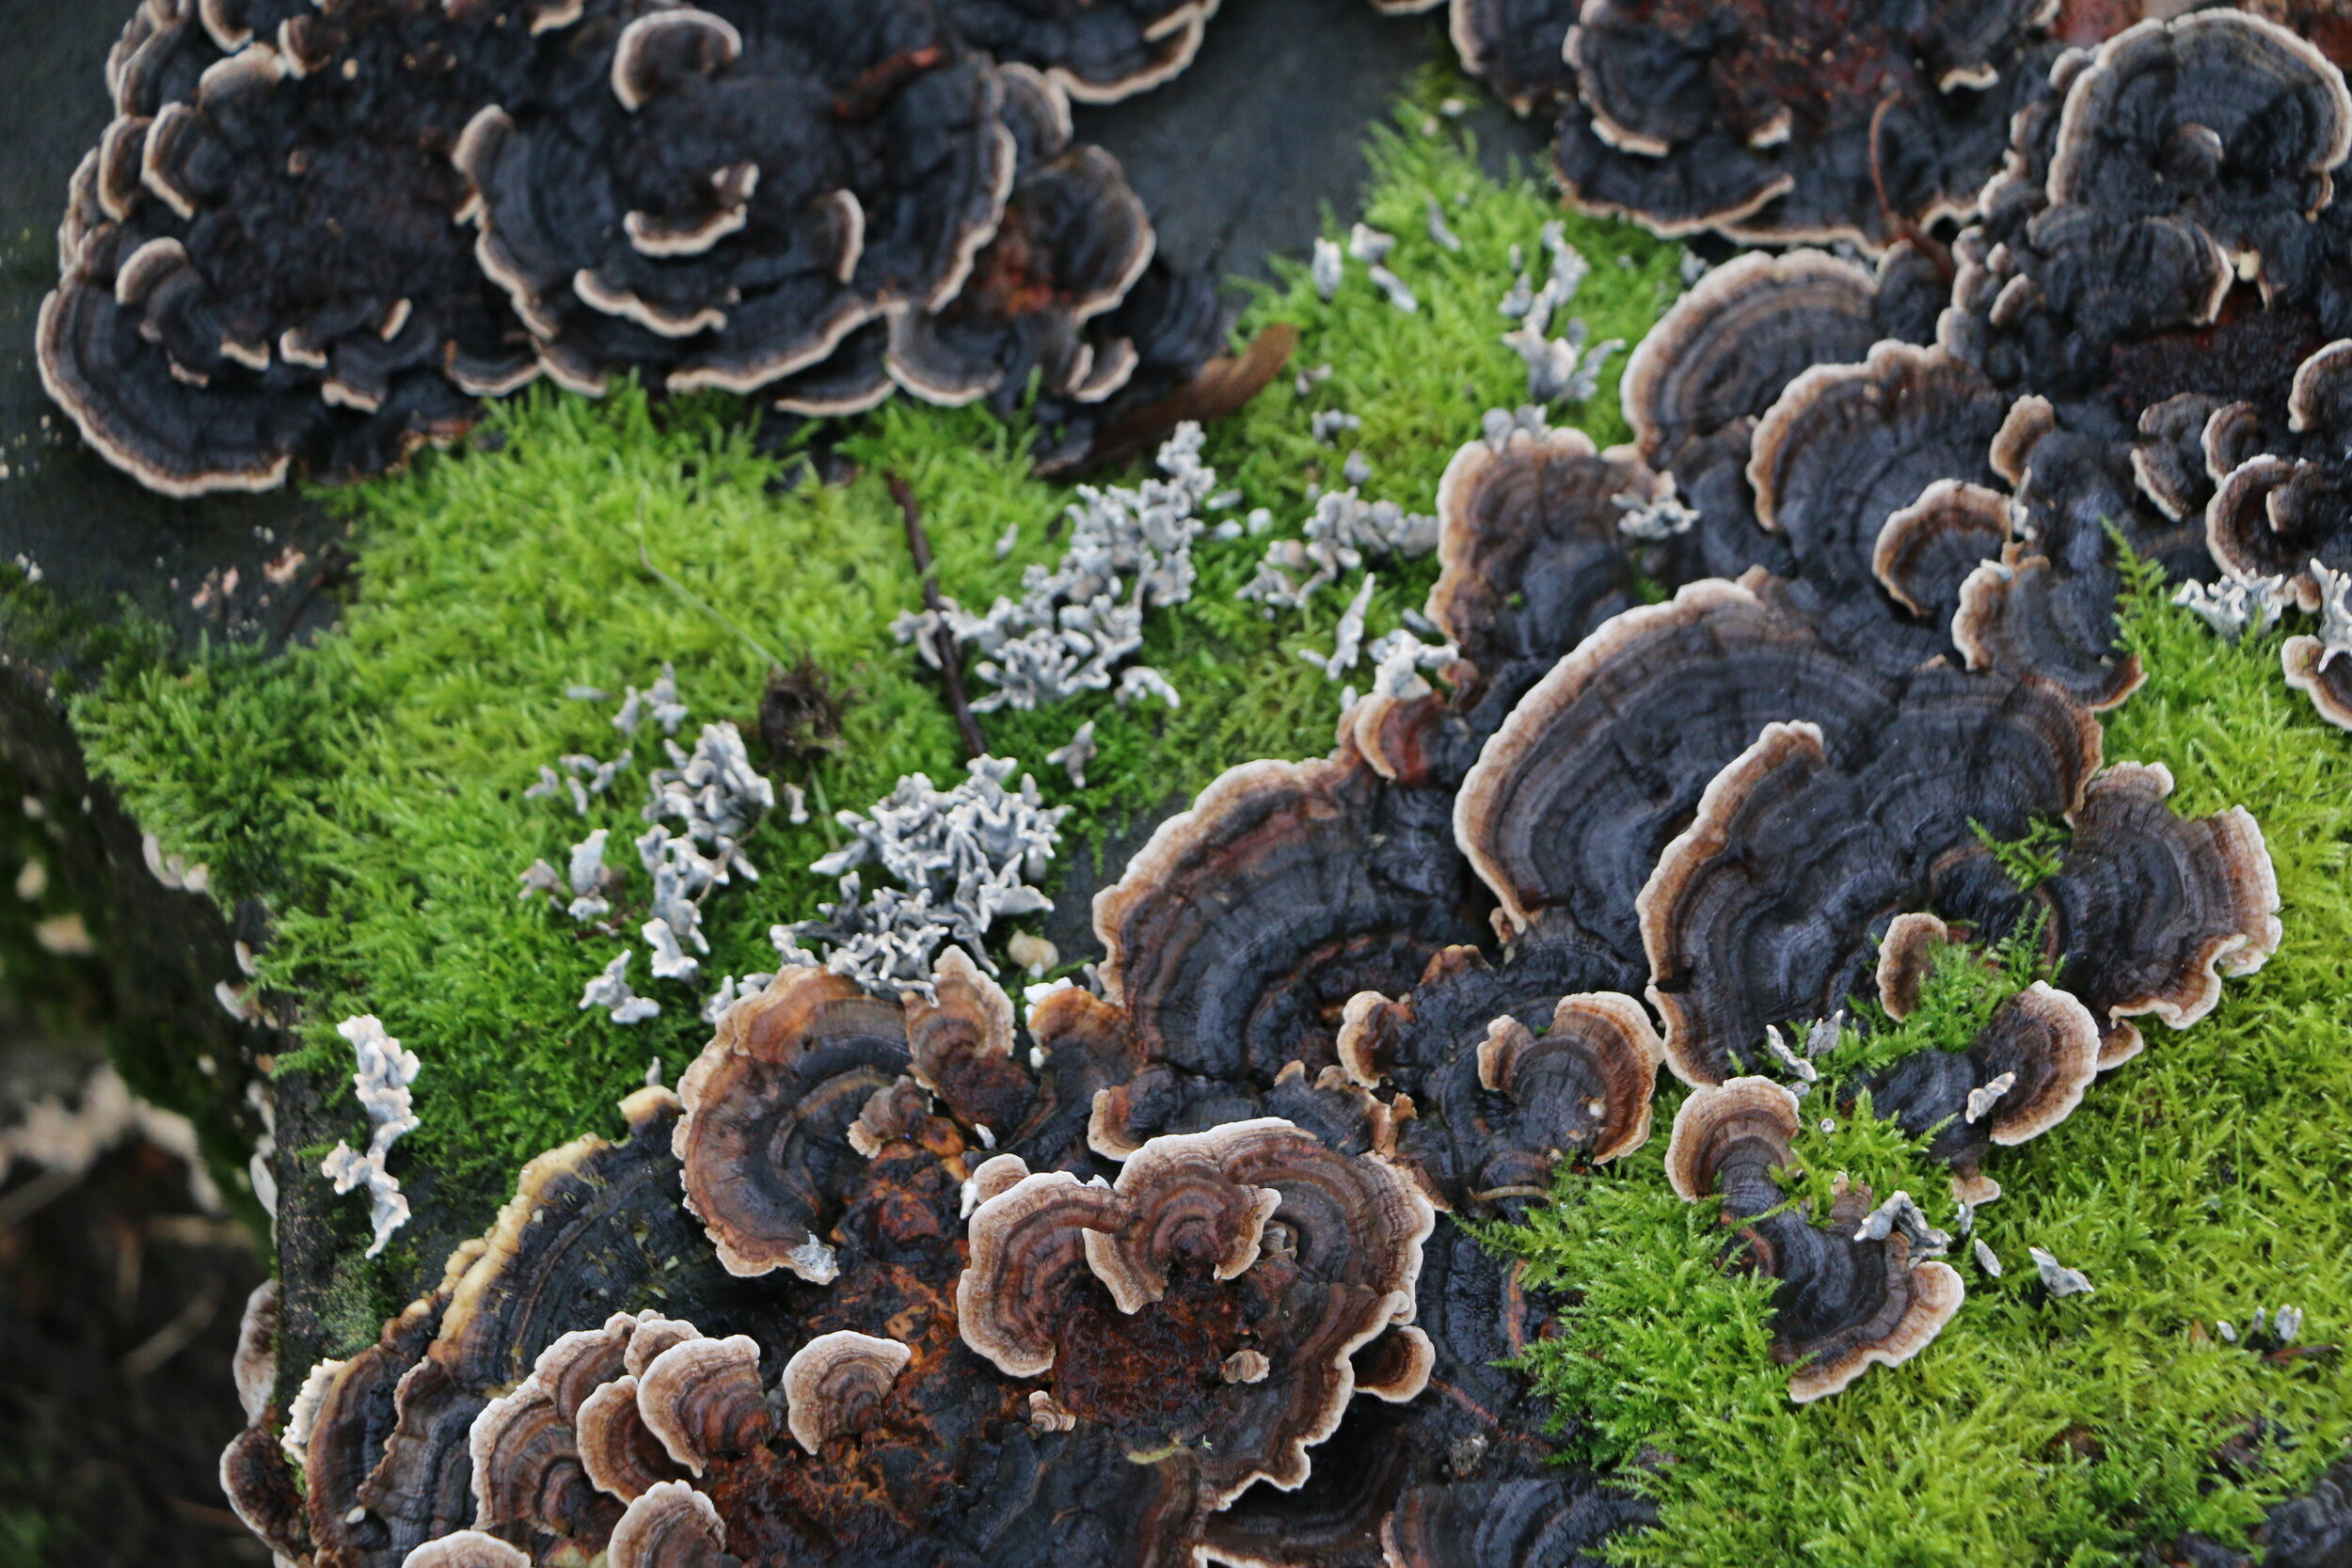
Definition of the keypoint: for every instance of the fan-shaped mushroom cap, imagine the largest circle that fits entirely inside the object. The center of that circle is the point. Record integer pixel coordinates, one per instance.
(1740, 334)
(352, 1421)
(526, 1468)
(1072, 241)
(1530, 553)
(618, 1450)
(1906, 955)
(1758, 911)
(1098, 53)
(1517, 46)
(2155, 909)
(466, 1548)
(960, 1046)
(1846, 450)
(702, 1398)
(1842, 1304)
(254, 1366)
(1587, 1078)
(577, 1363)
(1395, 1367)
(259, 1487)
(2220, 116)
(1027, 1245)
(670, 1525)
(1751, 119)
(1247, 921)
(833, 1384)
(651, 1334)
(768, 1102)
(1927, 550)
(1250, 1236)
(2321, 674)
(584, 1215)
(1730, 1136)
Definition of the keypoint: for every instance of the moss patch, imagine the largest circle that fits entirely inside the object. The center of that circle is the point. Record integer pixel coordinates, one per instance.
(2195, 1184)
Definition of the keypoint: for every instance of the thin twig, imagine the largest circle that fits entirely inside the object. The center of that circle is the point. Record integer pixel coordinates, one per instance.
(693, 600)
(951, 659)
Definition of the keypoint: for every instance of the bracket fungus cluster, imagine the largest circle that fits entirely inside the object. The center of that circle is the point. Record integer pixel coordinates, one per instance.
(315, 241)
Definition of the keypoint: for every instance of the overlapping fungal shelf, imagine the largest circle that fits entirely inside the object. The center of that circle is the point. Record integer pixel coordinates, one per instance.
(1172, 1270)
(315, 237)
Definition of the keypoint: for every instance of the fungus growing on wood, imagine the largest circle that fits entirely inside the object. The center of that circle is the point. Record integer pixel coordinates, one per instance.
(768, 1102)
(1604, 759)
(2148, 910)
(1771, 121)
(1135, 1297)
(1349, 885)
(671, 1525)
(702, 1397)
(1098, 53)
(1519, 47)
(1532, 557)
(1843, 1304)
(832, 1384)
(1757, 913)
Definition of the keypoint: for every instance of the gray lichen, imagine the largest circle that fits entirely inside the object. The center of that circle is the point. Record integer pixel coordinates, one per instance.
(381, 1081)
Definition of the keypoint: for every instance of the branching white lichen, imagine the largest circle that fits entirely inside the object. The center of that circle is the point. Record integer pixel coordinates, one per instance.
(1899, 1213)
(1130, 551)
(1561, 367)
(963, 858)
(1074, 755)
(1343, 530)
(1654, 521)
(381, 1082)
(610, 990)
(1984, 1095)
(2058, 1280)
(1348, 636)
(1328, 268)
(1443, 236)
(2335, 612)
(2237, 604)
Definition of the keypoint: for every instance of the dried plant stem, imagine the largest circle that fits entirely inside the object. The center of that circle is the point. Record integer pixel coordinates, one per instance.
(950, 660)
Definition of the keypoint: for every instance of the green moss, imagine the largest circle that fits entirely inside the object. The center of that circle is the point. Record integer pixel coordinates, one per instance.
(2194, 1184)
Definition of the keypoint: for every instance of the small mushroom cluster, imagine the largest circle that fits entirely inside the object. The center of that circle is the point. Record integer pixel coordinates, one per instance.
(316, 240)
(2137, 340)
(1771, 121)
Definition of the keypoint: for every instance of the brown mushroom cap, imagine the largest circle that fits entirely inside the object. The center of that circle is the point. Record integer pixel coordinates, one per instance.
(1759, 911)
(670, 1525)
(466, 1549)
(1517, 46)
(2322, 674)
(1730, 1134)
(259, 1487)
(1252, 1228)
(1845, 449)
(702, 1398)
(1728, 348)
(1906, 954)
(1842, 1305)
(1098, 53)
(1530, 553)
(768, 1102)
(833, 1384)
(588, 1221)
(618, 1450)
(1927, 549)
(1749, 118)
(1589, 1075)
(526, 1468)
(2219, 116)
(1245, 922)
(960, 1046)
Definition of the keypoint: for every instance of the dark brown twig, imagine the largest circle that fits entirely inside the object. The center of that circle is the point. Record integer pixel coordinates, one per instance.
(951, 655)
(1932, 248)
